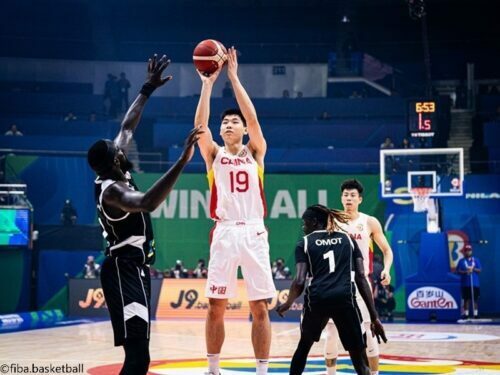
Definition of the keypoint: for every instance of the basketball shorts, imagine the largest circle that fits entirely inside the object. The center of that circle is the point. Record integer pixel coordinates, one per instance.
(362, 309)
(240, 244)
(467, 293)
(346, 319)
(127, 290)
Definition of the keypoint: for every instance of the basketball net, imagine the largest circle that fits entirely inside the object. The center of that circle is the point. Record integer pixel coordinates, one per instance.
(422, 202)
(420, 196)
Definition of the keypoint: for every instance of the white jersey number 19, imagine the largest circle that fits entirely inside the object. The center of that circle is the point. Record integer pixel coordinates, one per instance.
(331, 260)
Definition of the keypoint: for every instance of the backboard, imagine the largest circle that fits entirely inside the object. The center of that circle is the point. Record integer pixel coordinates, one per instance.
(439, 169)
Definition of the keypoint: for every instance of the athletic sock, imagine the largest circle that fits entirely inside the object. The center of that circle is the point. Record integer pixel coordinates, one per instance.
(261, 366)
(374, 372)
(331, 370)
(213, 364)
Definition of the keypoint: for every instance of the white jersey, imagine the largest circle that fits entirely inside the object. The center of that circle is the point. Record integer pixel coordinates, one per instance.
(359, 231)
(236, 187)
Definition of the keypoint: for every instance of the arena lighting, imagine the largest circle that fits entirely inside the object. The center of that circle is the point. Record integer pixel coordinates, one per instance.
(416, 8)
(345, 19)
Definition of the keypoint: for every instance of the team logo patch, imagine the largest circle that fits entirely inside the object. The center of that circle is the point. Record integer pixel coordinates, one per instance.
(359, 227)
(315, 366)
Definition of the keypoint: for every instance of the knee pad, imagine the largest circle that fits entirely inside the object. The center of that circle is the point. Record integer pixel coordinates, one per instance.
(331, 341)
(372, 346)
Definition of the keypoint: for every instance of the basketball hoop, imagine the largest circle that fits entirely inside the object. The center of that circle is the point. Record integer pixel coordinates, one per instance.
(420, 196)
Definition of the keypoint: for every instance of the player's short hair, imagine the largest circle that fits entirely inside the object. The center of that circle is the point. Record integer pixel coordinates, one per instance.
(352, 184)
(101, 156)
(327, 217)
(233, 111)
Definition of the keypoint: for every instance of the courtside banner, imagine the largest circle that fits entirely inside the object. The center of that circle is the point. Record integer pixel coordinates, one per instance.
(185, 298)
(282, 291)
(86, 298)
(182, 224)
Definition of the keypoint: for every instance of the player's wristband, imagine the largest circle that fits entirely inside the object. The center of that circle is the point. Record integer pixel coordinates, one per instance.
(147, 89)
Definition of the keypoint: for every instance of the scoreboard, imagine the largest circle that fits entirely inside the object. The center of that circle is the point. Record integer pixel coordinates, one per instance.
(422, 118)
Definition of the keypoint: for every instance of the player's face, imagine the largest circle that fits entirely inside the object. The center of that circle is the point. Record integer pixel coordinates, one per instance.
(351, 199)
(307, 226)
(232, 129)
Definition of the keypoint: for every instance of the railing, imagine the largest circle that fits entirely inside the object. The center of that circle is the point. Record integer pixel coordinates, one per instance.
(155, 162)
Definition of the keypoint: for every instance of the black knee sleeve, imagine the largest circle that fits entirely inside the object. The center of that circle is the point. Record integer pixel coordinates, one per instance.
(300, 356)
(136, 357)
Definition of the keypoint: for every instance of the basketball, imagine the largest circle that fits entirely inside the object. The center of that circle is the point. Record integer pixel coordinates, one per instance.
(209, 55)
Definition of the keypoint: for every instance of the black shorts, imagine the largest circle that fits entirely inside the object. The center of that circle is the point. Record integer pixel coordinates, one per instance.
(346, 317)
(467, 293)
(127, 290)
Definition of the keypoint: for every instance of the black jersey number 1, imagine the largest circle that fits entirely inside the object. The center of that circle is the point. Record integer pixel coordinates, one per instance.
(331, 260)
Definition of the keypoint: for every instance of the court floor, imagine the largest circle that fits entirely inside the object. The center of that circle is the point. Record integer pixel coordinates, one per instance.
(177, 347)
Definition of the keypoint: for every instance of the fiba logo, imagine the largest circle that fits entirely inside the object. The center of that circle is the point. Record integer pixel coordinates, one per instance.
(328, 242)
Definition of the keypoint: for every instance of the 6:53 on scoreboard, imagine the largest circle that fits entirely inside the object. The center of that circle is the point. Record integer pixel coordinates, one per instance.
(422, 119)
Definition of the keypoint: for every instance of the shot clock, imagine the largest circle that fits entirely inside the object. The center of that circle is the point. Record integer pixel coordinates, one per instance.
(422, 118)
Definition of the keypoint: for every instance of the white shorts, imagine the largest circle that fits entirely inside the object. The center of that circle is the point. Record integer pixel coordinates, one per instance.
(244, 244)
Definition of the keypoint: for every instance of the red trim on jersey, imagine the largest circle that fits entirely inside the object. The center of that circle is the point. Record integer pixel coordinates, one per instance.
(263, 197)
(211, 234)
(370, 260)
(213, 202)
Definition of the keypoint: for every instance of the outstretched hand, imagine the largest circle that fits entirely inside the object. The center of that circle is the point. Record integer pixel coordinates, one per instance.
(232, 63)
(192, 138)
(378, 330)
(155, 70)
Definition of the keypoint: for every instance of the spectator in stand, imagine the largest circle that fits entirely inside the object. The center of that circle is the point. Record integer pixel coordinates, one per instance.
(300, 95)
(155, 273)
(91, 269)
(286, 94)
(13, 131)
(279, 271)
(201, 270)
(378, 267)
(178, 271)
(406, 143)
(384, 301)
(124, 85)
(112, 96)
(387, 143)
(68, 213)
(70, 117)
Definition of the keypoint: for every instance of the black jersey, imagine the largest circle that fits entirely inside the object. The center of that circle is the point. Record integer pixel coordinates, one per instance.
(330, 265)
(130, 236)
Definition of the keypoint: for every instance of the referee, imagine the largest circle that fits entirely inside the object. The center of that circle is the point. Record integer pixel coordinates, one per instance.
(330, 258)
